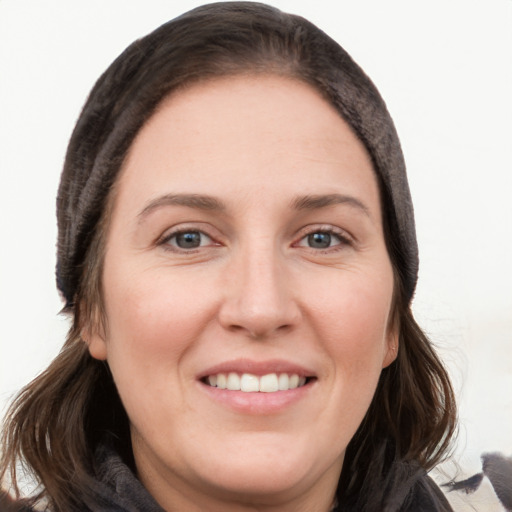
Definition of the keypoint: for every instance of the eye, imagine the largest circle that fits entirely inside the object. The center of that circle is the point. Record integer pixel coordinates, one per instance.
(323, 239)
(189, 239)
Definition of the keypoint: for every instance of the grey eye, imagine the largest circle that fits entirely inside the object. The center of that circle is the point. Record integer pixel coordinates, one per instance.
(319, 240)
(189, 240)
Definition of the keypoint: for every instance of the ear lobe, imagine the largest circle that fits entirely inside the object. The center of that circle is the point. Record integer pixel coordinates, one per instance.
(92, 330)
(391, 348)
(96, 344)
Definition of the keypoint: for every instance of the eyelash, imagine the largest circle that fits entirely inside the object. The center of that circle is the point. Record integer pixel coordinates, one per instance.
(165, 241)
(342, 237)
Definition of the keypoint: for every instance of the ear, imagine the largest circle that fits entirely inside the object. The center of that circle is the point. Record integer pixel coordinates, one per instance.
(93, 330)
(96, 343)
(391, 349)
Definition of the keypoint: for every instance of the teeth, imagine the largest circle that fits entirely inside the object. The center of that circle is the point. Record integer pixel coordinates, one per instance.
(233, 382)
(250, 383)
(283, 382)
(269, 383)
(293, 382)
(221, 381)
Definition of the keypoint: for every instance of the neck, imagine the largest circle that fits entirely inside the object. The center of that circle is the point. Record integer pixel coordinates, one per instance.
(176, 495)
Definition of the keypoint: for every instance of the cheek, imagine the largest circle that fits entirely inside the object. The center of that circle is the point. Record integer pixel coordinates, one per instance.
(350, 318)
(353, 321)
(153, 323)
(153, 320)
(356, 309)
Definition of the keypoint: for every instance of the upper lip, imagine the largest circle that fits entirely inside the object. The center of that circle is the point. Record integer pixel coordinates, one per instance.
(257, 368)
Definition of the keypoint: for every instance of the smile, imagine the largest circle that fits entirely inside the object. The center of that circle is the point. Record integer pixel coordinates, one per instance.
(258, 388)
(250, 383)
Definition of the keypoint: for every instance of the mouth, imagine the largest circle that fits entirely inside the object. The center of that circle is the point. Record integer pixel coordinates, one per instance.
(257, 388)
(251, 383)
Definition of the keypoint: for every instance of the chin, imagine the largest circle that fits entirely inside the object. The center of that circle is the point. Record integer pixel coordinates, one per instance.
(259, 482)
(266, 466)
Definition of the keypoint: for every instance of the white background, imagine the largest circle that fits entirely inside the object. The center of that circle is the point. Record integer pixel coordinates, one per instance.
(445, 70)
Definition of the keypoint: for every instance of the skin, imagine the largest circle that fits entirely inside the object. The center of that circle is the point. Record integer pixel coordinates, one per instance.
(255, 289)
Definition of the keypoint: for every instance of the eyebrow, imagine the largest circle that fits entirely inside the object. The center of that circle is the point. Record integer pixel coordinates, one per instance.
(199, 202)
(210, 203)
(314, 202)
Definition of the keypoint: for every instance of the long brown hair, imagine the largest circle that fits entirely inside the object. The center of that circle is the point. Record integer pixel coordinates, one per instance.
(56, 422)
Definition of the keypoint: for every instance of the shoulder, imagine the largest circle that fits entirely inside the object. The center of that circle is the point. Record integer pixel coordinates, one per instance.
(426, 496)
(403, 486)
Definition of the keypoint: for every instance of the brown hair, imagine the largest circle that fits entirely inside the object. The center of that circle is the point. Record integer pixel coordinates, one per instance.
(57, 421)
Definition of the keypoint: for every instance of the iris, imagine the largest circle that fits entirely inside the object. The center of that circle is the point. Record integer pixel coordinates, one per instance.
(319, 240)
(188, 240)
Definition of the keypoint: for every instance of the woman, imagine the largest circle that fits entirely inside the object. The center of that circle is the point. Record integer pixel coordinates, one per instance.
(237, 253)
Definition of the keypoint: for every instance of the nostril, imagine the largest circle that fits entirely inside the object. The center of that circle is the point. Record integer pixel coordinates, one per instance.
(259, 315)
(259, 331)
(265, 333)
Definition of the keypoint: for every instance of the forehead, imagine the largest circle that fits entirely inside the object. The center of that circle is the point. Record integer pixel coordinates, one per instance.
(265, 103)
(246, 131)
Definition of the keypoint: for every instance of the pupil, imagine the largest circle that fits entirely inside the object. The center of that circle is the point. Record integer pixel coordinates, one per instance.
(319, 240)
(188, 240)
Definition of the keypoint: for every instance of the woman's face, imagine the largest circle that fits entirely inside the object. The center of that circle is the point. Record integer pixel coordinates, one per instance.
(245, 249)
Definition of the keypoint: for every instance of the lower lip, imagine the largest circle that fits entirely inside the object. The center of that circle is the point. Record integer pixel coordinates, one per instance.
(257, 403)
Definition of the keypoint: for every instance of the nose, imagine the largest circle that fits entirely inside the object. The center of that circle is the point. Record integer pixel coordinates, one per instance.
(259, 296)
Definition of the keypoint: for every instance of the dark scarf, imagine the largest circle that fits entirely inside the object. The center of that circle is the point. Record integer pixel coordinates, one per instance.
(117, 489)
(405, 488)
